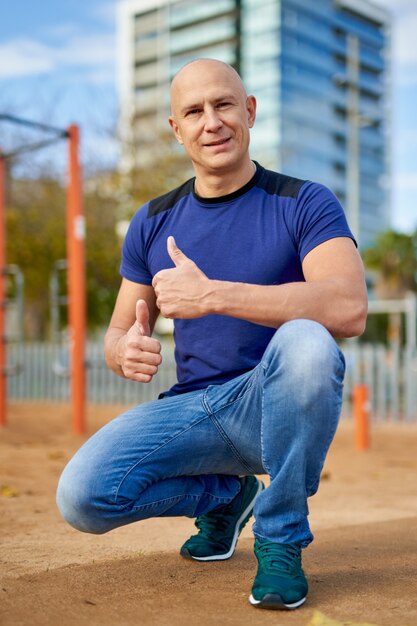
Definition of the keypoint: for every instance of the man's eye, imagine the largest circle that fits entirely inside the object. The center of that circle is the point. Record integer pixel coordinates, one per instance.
(192, 112)
(224, 104)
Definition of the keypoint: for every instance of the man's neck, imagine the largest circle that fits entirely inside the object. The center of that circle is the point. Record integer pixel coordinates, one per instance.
(223, 183)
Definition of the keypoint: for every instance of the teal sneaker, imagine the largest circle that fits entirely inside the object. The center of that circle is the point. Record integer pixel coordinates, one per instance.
(219, 530)
(280, 582)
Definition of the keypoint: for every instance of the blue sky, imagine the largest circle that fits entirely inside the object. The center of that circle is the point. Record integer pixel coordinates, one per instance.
(58, 65)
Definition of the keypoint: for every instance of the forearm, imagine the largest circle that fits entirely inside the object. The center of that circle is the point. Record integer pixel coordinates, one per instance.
(330, 303)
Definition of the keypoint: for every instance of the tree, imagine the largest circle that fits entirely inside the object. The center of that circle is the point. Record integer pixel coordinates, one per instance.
(165, 167)
(36, 231)
(35, 226)
(393, 258)
(393, 262)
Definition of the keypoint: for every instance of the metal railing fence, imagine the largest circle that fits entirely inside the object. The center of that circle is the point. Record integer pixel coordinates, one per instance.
(390, 375)
(39, 372)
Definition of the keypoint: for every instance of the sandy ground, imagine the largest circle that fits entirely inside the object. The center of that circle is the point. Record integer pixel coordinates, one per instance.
(362, 565)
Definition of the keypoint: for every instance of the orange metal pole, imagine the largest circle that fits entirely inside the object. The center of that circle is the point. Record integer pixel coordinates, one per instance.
(361, 416)
(76, 283)
(3, 347)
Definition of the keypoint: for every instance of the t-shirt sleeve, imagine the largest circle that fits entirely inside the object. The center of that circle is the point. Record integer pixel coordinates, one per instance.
(133, 265)
(318, 217)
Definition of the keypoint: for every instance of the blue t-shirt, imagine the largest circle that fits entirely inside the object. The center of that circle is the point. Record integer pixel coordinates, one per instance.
(258, 234)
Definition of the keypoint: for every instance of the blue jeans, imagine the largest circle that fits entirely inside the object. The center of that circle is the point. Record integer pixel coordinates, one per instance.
(181, 455)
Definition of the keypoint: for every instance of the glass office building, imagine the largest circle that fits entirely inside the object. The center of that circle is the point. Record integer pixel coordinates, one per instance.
(319, 72)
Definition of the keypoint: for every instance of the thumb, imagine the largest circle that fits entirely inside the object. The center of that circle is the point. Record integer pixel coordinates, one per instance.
(177, 256)
(142, 318)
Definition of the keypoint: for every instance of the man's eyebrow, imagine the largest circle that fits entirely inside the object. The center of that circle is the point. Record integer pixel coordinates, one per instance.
(196, 105)
(189, 107)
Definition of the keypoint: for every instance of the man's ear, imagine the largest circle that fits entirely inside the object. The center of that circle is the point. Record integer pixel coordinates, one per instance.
(175, 129)
(251, 109)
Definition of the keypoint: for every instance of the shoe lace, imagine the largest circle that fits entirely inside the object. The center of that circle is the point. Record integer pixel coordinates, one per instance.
(212, 523)
(284, 557)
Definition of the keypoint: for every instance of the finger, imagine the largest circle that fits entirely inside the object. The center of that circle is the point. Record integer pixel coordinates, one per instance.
(145, 344)
(177, 256)
(142, 317)
(144, 368)
(140, 378)
(149, 358)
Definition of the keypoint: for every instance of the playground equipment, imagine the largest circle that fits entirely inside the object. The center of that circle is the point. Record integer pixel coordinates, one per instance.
(361, 410)
(406, 306)
(361, 402)
(57, 299)
(76, 265)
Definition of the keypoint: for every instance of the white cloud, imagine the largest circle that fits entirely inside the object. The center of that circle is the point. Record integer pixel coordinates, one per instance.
(406, 181)
(25, 57)
(88, 50)
(397, 6)
(405, 38)
(107, 12)
(404, 46)
(22, 57)
(60, 32)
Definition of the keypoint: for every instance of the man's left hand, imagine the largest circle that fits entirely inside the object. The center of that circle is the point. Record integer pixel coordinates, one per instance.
(182, 291)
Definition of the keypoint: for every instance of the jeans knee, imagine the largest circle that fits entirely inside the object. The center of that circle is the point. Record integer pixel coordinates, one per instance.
(306, 353)
(76, 506)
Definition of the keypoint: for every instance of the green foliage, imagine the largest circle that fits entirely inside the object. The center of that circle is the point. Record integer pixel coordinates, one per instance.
(103, 249)
(36, 232)
(166, 166)
(35, 227)
(377, 329)
(394, 259)
(393, 265)
(36, 239)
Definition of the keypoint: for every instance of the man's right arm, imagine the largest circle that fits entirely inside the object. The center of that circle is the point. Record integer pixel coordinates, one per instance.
(130, 350)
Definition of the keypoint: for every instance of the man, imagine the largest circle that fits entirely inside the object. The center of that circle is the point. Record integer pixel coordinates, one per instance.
(259, 272)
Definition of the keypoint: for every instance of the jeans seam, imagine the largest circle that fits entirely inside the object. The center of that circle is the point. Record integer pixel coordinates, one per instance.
(264, 463)
(311, 487)
(144, 507)
(116, 494)
(222, 433)
(229, 443)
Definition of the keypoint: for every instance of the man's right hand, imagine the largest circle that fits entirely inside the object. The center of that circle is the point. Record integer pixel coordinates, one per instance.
(137, 353)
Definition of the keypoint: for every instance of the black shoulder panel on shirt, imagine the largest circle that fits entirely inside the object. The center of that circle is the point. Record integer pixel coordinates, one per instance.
(170, 199)
(280, 184)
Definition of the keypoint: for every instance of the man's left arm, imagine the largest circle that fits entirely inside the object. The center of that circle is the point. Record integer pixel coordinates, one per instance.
(333, 294)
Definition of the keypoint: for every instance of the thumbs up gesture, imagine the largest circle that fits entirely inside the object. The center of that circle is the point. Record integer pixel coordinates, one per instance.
(182, 291)
(138, 353)
(142, 318)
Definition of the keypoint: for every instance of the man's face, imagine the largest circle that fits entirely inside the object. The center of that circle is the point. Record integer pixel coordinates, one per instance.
(211, 116)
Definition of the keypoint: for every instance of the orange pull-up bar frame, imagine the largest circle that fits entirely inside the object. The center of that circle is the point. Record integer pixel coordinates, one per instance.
(76, 277)
(76, 282)
(3, 354)
(361, 416)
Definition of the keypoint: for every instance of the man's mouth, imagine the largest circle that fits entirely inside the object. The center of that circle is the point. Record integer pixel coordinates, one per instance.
(219, 142)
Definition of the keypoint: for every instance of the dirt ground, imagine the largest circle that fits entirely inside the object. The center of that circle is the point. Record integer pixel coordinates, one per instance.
(362, 566)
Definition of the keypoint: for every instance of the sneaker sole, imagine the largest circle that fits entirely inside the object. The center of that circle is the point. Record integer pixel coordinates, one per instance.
(240, 524)
(274, 601)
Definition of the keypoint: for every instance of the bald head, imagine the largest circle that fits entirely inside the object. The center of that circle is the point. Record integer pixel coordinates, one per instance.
(200, 71)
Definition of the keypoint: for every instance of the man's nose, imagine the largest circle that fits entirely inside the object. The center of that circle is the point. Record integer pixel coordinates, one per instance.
(212, 121)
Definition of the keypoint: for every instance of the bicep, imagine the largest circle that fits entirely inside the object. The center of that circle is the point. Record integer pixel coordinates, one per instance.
(336, 260)
(124, 313)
